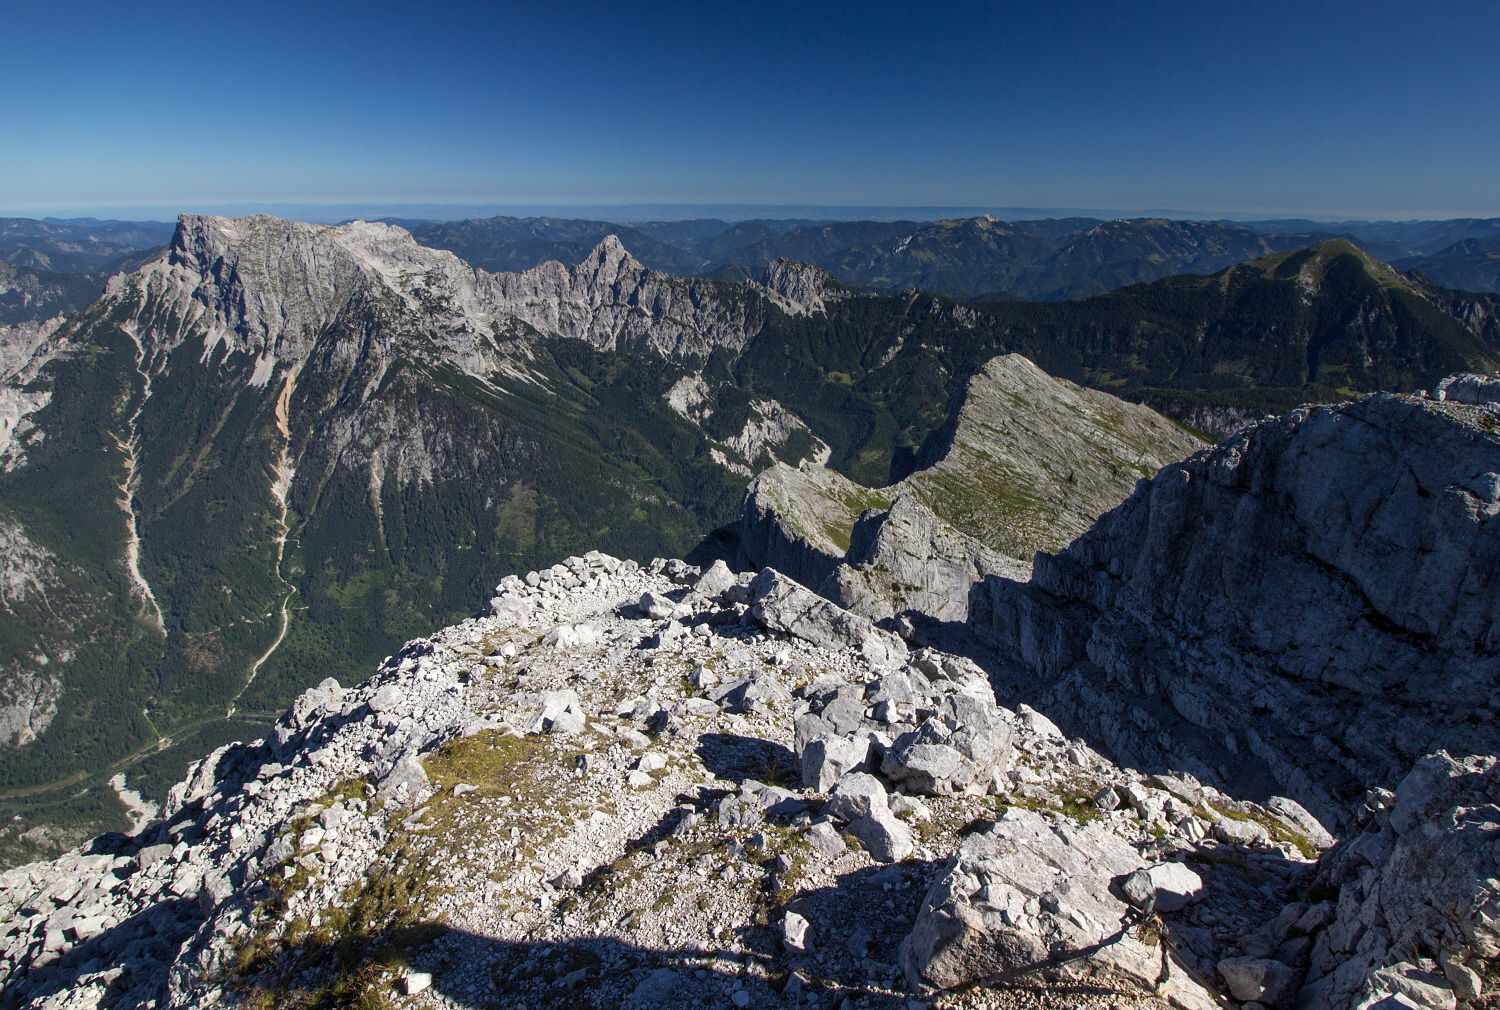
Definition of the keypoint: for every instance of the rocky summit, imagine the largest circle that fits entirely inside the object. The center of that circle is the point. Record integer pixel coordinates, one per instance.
(681, 787)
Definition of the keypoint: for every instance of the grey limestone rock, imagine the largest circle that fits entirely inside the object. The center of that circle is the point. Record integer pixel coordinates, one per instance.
(907, 559)
(855, 795)
(1419, 875)
(825, 839)
(1168, 887)
(1244, 614)
(1029, 887)
(1467, 387)
(828, 757)
(1263, 980)
(885, 837)
(783, 605)
(406, 784)
(561, 713)
(714, 582)
(1028, 464)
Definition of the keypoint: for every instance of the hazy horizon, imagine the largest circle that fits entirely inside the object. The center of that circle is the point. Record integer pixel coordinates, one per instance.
(334, 213)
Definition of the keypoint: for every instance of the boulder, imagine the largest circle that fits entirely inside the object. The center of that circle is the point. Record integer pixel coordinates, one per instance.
(827, 758)
(571, 636)
(1028, 888)
(1165, 887)
(825, 839)
(1301, 820)
(1244, 833)
(1264, 980)
(907, 559)
(714, 582)
(855, 795)
(796, 933)
(756, 692)
(385, 699)
(1468, 387)
(561, 713)
(885, 836)
(783, 605)
(405, 784)
(926, 768)
(653, 990)
(657, 606)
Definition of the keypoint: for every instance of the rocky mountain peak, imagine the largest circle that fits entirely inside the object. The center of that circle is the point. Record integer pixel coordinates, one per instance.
(800, 289)
(267, 287)
(608, 265)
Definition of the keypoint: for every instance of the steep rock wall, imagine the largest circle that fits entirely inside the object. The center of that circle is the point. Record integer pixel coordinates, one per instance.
(1306, 607)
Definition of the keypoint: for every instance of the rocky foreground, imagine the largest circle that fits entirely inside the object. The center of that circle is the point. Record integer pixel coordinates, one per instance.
(663, 787)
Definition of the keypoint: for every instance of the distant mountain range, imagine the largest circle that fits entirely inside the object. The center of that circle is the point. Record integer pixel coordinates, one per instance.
(52, 267)
(970, 259)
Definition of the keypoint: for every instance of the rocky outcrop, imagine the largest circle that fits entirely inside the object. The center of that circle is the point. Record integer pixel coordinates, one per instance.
(798, 520)
(599, 776)
(1403, 912)
(1033, 460)
(1028, 464)
(907, 559)
(1302, 609)
(1466, 387)
(1035, 892)
(782, 605)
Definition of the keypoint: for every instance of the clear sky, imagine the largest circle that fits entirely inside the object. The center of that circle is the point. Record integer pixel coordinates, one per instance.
(1368, 108)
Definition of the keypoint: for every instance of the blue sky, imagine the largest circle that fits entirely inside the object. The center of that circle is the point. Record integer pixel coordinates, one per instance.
(1367, 109)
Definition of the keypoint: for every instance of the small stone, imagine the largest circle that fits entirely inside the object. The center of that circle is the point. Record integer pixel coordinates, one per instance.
(796, 933)
(414, 982)
(825, 839)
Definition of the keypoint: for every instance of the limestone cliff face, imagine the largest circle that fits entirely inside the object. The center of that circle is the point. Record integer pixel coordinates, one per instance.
(1309, 605)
